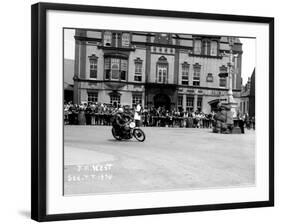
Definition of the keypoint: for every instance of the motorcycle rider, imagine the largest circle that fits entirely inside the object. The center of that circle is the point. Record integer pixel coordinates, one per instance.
(119, 121)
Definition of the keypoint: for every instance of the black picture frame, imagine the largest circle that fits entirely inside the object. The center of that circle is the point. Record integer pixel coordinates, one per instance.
(38, 110)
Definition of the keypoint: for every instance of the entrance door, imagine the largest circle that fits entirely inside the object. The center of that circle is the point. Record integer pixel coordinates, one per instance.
(162, 100)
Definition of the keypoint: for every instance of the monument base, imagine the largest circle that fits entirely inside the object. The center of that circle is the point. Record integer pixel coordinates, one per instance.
(233, 108)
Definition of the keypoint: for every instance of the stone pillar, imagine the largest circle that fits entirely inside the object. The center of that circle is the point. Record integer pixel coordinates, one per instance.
(147, 60)
(76, 97)
(195, 102)
(184, 102)
(176, 63)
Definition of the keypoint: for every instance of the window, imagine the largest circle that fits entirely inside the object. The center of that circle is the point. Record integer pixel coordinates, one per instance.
(116, 39)
(123, 69)
(222, 81)
(210, 77)
(196, 74)
(138, 70)
(214, 48)
(162, 70)
(199, 103)
(115, 63)
(197, 47)
(206, 47)
(92, 97)
(107, 68)
(189, 103)
(93, 66)
(136, 99)
(115, 100)
(162, 73)
(125, 40)
(185, 72)
(107, 38)
(223, 75)
(115, 68)
(180, 99)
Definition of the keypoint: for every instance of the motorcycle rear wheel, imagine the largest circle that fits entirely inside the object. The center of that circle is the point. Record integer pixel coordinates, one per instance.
(115, 135)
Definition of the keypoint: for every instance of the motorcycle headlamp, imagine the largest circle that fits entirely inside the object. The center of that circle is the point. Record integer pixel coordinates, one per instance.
(132, 125)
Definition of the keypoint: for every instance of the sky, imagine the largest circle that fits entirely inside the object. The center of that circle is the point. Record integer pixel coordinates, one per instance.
(248, 56)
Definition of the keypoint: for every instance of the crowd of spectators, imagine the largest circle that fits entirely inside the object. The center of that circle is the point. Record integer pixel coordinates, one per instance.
(102, 113)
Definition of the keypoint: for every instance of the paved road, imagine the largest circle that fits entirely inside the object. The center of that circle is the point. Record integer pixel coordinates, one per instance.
(169, 159)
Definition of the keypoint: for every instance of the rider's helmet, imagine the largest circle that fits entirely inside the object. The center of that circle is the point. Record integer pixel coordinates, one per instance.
(120, 110)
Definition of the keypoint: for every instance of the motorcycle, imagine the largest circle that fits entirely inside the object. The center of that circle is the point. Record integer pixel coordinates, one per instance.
(129, 131)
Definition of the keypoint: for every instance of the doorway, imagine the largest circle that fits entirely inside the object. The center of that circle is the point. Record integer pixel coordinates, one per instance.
(162, 100)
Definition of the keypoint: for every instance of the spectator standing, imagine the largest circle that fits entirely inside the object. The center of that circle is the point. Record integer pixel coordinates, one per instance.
(137, 115)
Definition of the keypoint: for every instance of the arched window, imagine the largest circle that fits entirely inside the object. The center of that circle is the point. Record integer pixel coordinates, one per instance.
(162, 70)
(115, 63)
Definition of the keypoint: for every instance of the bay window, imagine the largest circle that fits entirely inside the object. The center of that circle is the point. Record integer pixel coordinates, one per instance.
(115, 68)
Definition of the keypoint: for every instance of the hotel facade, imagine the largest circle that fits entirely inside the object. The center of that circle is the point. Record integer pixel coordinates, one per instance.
(178, 71)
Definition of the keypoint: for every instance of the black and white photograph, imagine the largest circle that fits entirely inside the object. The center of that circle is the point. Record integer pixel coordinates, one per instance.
(156, 111)
(142, 111)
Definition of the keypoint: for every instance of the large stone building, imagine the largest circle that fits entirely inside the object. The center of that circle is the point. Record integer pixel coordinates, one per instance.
(177, 71)
(247, 99)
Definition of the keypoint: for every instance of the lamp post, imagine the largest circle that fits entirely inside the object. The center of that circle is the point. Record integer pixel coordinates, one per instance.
(230, 100)
(231, 71)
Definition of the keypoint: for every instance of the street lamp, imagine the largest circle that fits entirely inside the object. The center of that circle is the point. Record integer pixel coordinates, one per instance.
(230, 100)
(231, 70)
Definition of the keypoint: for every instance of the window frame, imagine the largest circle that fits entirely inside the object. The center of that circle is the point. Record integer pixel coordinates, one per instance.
(109, 33)
(108, 72)
(196, 77)
(93, 61)
(123, 40)
(134, 96)
(185, 73)
(189, 106)
(96, 96)
(138, 73)
(115, 97)
(163, 66)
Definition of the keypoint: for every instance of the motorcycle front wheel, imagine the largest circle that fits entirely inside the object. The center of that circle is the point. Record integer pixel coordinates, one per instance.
(139, 135)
